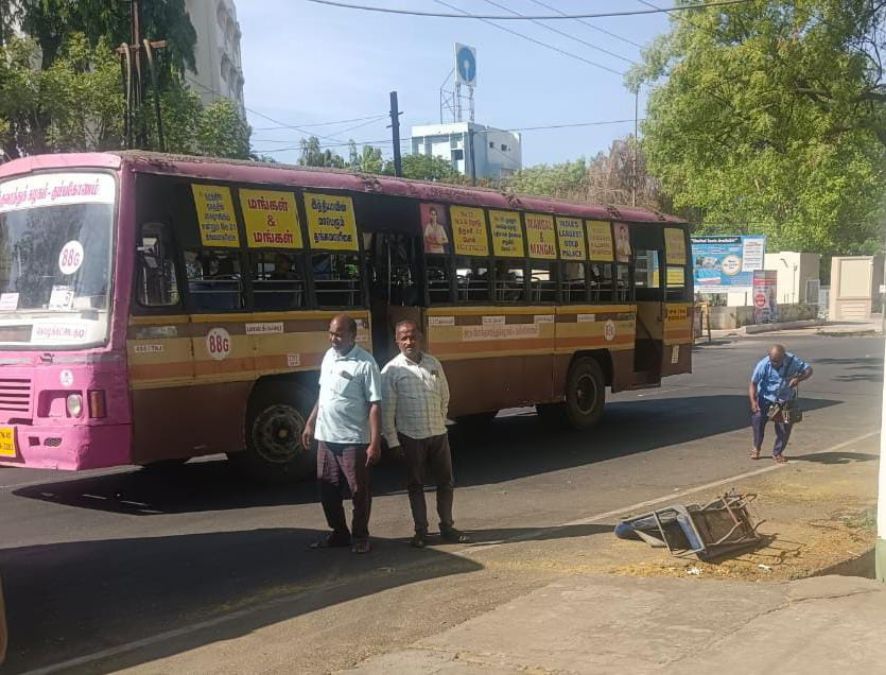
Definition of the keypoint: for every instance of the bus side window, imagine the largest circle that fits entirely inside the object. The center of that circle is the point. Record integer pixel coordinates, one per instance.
(624, 289)
(439, 277)
(575, 283)
(156, 283)
(603, 287)
(277, 281)
(337, 279)
(647, 274)
(543, 280)
(215, 282)
(472, 278)
(510, 280)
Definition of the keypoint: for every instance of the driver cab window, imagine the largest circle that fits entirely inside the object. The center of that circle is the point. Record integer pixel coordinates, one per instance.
(156, 282)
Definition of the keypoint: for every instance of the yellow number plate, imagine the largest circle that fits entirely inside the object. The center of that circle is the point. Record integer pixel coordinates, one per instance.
(7, 442)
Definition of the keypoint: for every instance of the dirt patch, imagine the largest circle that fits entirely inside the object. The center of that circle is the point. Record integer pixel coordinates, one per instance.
(813, 519)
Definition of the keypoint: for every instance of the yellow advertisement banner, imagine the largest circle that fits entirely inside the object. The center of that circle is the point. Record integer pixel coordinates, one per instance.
(675, 246)
(331, 222)
(676, 277)
(571, 236)
(507, 235)
(469, 231)
(541, 236)
(271, 219)
(600, 238)
(215, 216)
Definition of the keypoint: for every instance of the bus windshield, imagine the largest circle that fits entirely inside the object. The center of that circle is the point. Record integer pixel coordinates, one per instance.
(55, 242)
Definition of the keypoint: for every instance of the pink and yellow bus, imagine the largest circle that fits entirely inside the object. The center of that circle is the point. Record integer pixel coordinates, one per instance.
(155, 308)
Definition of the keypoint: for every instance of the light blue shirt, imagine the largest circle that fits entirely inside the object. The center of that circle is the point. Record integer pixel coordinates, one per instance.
(773, 384)
(348, 384)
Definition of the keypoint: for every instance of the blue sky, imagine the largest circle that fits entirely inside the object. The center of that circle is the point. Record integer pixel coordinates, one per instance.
(307, 64)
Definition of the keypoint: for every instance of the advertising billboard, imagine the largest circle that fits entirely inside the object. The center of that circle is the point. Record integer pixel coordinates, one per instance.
(727, 264)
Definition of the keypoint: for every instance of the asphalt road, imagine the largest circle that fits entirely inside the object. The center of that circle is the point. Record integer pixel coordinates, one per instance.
(103, 563)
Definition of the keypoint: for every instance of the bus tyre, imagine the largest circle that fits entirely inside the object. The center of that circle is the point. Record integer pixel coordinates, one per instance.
(275, 420)
(585, 393)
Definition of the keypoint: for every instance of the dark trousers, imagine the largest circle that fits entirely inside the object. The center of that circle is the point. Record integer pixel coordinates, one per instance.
(782, 428)
(431, 457)
(342, 471)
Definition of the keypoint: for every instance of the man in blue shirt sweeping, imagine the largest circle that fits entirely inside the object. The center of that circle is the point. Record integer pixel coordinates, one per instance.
(773, 385)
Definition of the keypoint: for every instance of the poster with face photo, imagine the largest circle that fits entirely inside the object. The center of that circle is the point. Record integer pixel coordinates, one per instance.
(435, 229)
(622, 242)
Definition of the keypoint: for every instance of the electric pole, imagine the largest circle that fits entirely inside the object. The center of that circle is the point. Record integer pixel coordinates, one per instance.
(395, 134)
(135, 84)
(636, 149)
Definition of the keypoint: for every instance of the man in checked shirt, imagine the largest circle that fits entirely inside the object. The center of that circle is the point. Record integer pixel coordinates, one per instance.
(415, 402)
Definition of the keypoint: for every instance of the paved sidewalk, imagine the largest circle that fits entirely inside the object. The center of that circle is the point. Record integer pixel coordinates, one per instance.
(611, 624)
(811, 327)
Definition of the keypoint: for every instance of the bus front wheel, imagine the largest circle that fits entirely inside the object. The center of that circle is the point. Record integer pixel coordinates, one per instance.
(275, 420)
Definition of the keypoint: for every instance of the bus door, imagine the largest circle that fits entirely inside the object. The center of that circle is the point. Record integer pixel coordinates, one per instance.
(392, 242)
(647, 246)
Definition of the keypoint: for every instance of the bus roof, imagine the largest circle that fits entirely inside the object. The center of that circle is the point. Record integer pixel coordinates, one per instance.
(243, 171)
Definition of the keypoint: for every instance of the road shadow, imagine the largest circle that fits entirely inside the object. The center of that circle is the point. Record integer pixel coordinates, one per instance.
(509, 447)
(68, 600)
(835, 457)
(862, 369)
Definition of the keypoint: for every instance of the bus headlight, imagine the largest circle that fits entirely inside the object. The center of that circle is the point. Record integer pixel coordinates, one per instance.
(75, 405)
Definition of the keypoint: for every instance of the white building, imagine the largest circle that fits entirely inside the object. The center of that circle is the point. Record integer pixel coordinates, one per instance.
(217, 52)
(496, 153)
(794, 269)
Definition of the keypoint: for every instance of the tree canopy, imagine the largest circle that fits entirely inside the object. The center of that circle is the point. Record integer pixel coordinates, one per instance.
(61, 87)
(770, 117)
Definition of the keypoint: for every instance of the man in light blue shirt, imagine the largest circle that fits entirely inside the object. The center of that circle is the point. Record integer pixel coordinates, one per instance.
(346, 423)
(774, 383)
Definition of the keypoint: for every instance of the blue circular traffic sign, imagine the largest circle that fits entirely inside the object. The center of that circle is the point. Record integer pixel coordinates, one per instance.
(467, 65)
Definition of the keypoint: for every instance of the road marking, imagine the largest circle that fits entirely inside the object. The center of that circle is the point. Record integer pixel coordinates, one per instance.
(464, 553)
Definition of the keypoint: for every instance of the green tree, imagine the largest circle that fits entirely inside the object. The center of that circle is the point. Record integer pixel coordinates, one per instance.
(770, 117)
(313, 155)
(222, 132)
(369, 160)
(426, 167)
(51, 22)
(75, 104)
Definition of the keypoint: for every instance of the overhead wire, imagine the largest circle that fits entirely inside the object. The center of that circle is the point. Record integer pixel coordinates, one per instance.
(546, 17)
(534, 40)
(322, 124)
(589, 24)
(575, 38)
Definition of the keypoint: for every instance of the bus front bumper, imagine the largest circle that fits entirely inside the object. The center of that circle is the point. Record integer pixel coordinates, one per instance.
(70, 448)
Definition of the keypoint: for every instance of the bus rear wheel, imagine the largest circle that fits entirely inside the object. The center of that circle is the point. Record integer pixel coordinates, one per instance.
(585, 393)
(275, 420)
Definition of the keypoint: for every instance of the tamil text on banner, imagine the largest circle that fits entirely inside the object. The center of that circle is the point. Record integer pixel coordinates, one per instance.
(215, 216)
(600, 240)
(675, 246)
(507, 234)
(540, 236)
(271, 219)
(723, 264)
(56, 189)
(331, 222)
(469, 231)
(571, 236)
